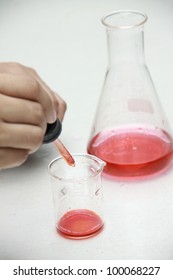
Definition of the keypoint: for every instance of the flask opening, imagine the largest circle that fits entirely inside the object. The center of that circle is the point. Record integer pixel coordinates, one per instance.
(124, 19)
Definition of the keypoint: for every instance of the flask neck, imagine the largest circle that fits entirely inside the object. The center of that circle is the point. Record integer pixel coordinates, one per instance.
(125, 46)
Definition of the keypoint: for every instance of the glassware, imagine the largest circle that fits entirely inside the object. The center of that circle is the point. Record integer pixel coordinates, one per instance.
(130, 131)
(77, 195)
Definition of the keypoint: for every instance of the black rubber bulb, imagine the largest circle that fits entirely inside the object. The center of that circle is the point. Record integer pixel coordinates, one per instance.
(52, 132)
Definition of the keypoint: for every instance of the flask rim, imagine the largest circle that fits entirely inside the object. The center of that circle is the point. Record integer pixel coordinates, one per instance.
(105, 18)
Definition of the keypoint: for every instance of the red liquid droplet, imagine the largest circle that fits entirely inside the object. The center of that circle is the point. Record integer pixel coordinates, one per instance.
(79, 224)
(130, 153)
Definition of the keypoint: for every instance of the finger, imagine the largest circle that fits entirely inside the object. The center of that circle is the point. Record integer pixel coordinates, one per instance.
(21, 136)
(22, 86)
(60, 105)
(15, 110)
(17, 68)
(12, 67)
(12, 157)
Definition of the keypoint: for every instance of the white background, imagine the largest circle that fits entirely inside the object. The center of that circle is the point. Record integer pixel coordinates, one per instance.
(65, 42)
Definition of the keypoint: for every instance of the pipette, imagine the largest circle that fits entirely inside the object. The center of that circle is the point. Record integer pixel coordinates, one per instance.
(64, 152)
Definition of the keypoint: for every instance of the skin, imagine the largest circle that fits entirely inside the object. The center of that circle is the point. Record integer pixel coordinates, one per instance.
(27, 104)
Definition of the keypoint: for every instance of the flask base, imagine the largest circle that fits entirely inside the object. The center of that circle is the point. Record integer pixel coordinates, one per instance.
(132, 152)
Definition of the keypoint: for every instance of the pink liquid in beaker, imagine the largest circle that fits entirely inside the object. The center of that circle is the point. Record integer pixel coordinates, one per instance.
(132, 152)
(79, 224)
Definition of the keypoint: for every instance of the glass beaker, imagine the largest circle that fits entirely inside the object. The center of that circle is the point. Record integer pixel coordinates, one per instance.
(130, 131)
(77, 195)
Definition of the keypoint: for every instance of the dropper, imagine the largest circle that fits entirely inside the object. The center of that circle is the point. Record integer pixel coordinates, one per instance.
(51, 135)
(64, 152)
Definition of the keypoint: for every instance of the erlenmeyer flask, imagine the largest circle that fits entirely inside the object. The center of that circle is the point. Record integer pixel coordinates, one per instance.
(130, 131)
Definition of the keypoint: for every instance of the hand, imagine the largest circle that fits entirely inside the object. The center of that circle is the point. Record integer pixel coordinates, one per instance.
(27, 104)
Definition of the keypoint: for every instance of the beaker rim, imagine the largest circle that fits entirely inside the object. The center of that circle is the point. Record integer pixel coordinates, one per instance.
(139, 22)
(100, 162)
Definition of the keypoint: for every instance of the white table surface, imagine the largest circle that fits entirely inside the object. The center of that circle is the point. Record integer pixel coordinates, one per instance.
(66, 43)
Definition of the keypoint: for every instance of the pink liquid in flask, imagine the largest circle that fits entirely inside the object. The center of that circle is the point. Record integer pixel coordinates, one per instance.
(132, 152)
